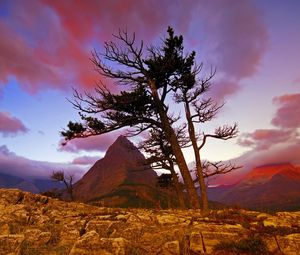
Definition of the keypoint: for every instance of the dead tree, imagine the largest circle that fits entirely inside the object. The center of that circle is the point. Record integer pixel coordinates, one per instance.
(59, 176)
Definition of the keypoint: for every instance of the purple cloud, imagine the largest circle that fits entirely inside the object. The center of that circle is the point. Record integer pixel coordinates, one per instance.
(10, 125)
(235, 40)
(85, 160)
(98, 143)
(288, 113)
(262, 139)
(12, 164)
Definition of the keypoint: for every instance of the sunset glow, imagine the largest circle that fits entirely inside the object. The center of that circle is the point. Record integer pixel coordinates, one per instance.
(45, 48)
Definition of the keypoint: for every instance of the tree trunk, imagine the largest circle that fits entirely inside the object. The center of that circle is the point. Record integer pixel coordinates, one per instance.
(171, 137)
(178, 189)
(69, 189)
(185, 172)
(199, 169)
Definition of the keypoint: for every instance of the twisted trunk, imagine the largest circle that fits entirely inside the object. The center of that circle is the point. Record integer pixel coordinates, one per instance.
(178, 189)
(171, 137)
(199, 169)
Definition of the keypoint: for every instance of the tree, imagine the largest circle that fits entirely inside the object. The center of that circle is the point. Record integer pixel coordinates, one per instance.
(162, 157)
(166, 182)
(59, 176)
(197, 111)
(150, 82)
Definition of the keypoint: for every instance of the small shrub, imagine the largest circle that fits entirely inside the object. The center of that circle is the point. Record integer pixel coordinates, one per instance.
(250, 245)
(52, 194)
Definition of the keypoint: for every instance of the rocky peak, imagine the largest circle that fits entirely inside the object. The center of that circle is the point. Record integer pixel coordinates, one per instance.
(122, 164)
(123, 142)
(125, 149)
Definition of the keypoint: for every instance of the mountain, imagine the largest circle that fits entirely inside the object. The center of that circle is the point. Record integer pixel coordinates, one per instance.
(215, 193)
(119, 178)
(271, 187)
(9, 181)
(32, 185)
(46, 184)
(263, 174)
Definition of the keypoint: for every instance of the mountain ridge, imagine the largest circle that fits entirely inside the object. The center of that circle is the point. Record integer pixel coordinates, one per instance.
(273, 187)
(27, 184)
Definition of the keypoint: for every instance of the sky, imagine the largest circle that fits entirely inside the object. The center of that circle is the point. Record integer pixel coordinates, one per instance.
(45, 48)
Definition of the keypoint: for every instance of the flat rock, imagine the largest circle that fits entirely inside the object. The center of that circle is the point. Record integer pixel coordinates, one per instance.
(34, 224)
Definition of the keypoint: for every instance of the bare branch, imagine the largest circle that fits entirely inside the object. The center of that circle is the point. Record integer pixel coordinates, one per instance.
(205, 110)
(223, 133)
(216, 168)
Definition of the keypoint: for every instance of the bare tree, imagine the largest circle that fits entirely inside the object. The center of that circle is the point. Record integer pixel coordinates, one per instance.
(59, 176)
(150, 81)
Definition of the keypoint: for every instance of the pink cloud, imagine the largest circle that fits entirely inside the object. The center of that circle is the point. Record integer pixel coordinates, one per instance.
(270, 146)
(20, 60)
(84, 19)
(52, 59)
(93, 143)
(297, 81)
(242, 36)
(47, 44)
(224, 88)
(85, 160)
(10, 125)
(262, 139)
(288, 113)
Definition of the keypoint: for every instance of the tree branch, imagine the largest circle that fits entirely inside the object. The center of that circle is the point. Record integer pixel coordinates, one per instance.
(223, 133)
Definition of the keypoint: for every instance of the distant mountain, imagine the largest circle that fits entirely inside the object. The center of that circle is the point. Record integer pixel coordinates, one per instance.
(271, 187)
(32, 185)
(215, 193)
(9, 181)
(121, 178)
(46, 184)
(263, 174)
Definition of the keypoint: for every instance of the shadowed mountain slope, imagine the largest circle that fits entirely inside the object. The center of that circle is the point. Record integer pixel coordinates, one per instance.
(123, 165)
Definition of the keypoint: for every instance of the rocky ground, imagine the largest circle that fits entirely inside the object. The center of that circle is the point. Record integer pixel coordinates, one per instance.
(34, 224)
